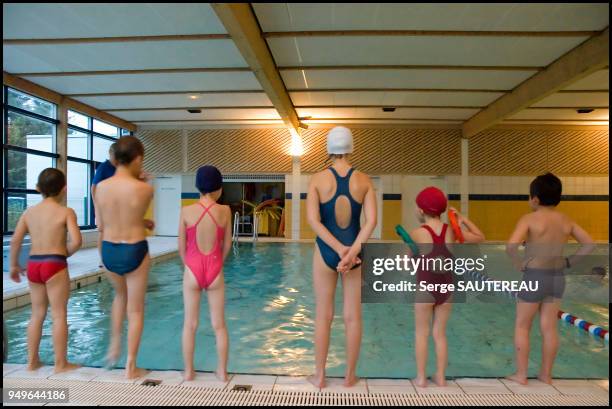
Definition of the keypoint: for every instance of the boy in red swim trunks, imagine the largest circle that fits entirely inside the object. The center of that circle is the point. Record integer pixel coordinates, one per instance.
(433, 308)
(47, 270)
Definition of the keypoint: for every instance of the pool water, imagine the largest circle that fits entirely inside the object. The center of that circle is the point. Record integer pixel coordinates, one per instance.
(270, 319)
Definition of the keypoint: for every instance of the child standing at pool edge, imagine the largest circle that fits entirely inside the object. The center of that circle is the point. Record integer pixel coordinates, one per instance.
(545, 232)
(205, 240)
(433, 308)
(334, 202)
(122, 201)
(47, 270)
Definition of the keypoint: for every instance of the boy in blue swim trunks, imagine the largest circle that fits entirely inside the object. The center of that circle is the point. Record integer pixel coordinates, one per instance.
(122, 201)
(545, 231)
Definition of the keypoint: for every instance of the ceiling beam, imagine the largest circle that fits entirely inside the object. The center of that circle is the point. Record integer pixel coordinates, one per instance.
(57, 98)
(590, 56)
(447, 33)
(396, 90)
(208, 108)
(123, 72)
(140, 93)
(128, 39)
(414, 67)
(240, 22)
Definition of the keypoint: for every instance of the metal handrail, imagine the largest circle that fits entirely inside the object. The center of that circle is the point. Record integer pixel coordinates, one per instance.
(235, 228)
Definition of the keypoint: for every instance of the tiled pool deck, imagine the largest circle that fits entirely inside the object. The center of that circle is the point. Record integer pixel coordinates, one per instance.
(593, 391)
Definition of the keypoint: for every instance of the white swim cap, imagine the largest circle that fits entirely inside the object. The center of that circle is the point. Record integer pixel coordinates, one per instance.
(339, 141)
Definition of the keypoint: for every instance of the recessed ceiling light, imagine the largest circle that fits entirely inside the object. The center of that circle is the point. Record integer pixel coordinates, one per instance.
(388, 109)
(193, 96)
(194, 111)
(585, 110)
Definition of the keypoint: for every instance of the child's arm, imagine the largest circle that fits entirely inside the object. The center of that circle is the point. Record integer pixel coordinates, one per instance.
(370, 213)
(20, 231)
(74, 232)
(227, 240)
(471, 233)
(583, 238)
(181, 237)
(516, 239)
(314, 219)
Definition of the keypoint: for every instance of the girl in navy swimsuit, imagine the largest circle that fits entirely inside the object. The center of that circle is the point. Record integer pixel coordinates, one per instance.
(334, 202)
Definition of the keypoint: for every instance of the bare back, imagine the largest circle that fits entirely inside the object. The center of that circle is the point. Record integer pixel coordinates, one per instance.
(206, 230)
(122, 202)
(47, 224)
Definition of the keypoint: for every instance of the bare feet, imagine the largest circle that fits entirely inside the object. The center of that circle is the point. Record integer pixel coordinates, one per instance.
(545, 379)
(112, 356)
(522, 380)
(221, 375)
(134, 373)
(33, 366)
(350, 380)
(59, 368)
(316, 381)
(189, 375)
(420, 381)
(438, 380)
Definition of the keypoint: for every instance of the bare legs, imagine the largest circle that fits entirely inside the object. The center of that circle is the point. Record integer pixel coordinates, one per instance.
(325, 280)
(216, 301)
(40, 301)
(55, 292)
(423, 313)
(351, 291)
(525, 314)
(130, 291)
(550, 338)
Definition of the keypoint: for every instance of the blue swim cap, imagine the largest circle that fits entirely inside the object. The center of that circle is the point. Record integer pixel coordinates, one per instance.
(208, 179)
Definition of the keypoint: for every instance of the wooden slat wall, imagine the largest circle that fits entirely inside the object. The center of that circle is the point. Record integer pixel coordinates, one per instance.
(518, 152)
(435, 151)
(163, 150)
(240, 150)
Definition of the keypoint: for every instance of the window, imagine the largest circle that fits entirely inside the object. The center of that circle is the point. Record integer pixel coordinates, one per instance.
(88, 143)
(29, 147)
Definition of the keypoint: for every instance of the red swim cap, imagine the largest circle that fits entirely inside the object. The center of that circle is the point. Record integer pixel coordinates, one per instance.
(432, 201)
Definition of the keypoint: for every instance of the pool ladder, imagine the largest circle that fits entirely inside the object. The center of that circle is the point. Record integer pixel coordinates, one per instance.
(237, 223)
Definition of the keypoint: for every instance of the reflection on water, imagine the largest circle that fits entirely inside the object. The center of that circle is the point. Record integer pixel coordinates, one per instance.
(270, 319)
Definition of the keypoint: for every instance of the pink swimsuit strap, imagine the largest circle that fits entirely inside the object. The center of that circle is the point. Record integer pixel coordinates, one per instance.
(204, 266)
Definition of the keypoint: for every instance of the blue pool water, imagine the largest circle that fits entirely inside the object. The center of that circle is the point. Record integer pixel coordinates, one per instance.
(270, 313)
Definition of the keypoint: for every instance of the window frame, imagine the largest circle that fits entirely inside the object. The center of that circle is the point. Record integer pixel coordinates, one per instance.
(6, 148)
(92, 164)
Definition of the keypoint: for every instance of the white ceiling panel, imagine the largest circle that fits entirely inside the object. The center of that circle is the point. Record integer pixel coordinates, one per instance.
(583, 99)
(208, 81)
(383, 98)
(74, 20)
(377, 79)
(176, 100)
(420, 50)
(570, 114)
(407, 113)
(599, 80)
(265, 113)
(121, 56)
(431, 16)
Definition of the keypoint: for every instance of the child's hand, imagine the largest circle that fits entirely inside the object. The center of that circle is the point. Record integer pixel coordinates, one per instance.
(16, 272)
(460, 217)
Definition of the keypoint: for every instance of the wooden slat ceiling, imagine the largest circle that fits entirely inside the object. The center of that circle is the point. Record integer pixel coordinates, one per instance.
(341, 63)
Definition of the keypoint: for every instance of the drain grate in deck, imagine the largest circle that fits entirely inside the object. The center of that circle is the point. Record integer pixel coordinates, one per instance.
(100, 393)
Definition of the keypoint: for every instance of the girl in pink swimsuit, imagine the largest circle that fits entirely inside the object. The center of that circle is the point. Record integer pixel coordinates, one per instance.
(204, 242)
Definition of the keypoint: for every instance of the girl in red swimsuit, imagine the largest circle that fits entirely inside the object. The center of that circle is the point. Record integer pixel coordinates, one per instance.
(204, 242)
(432, 308)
